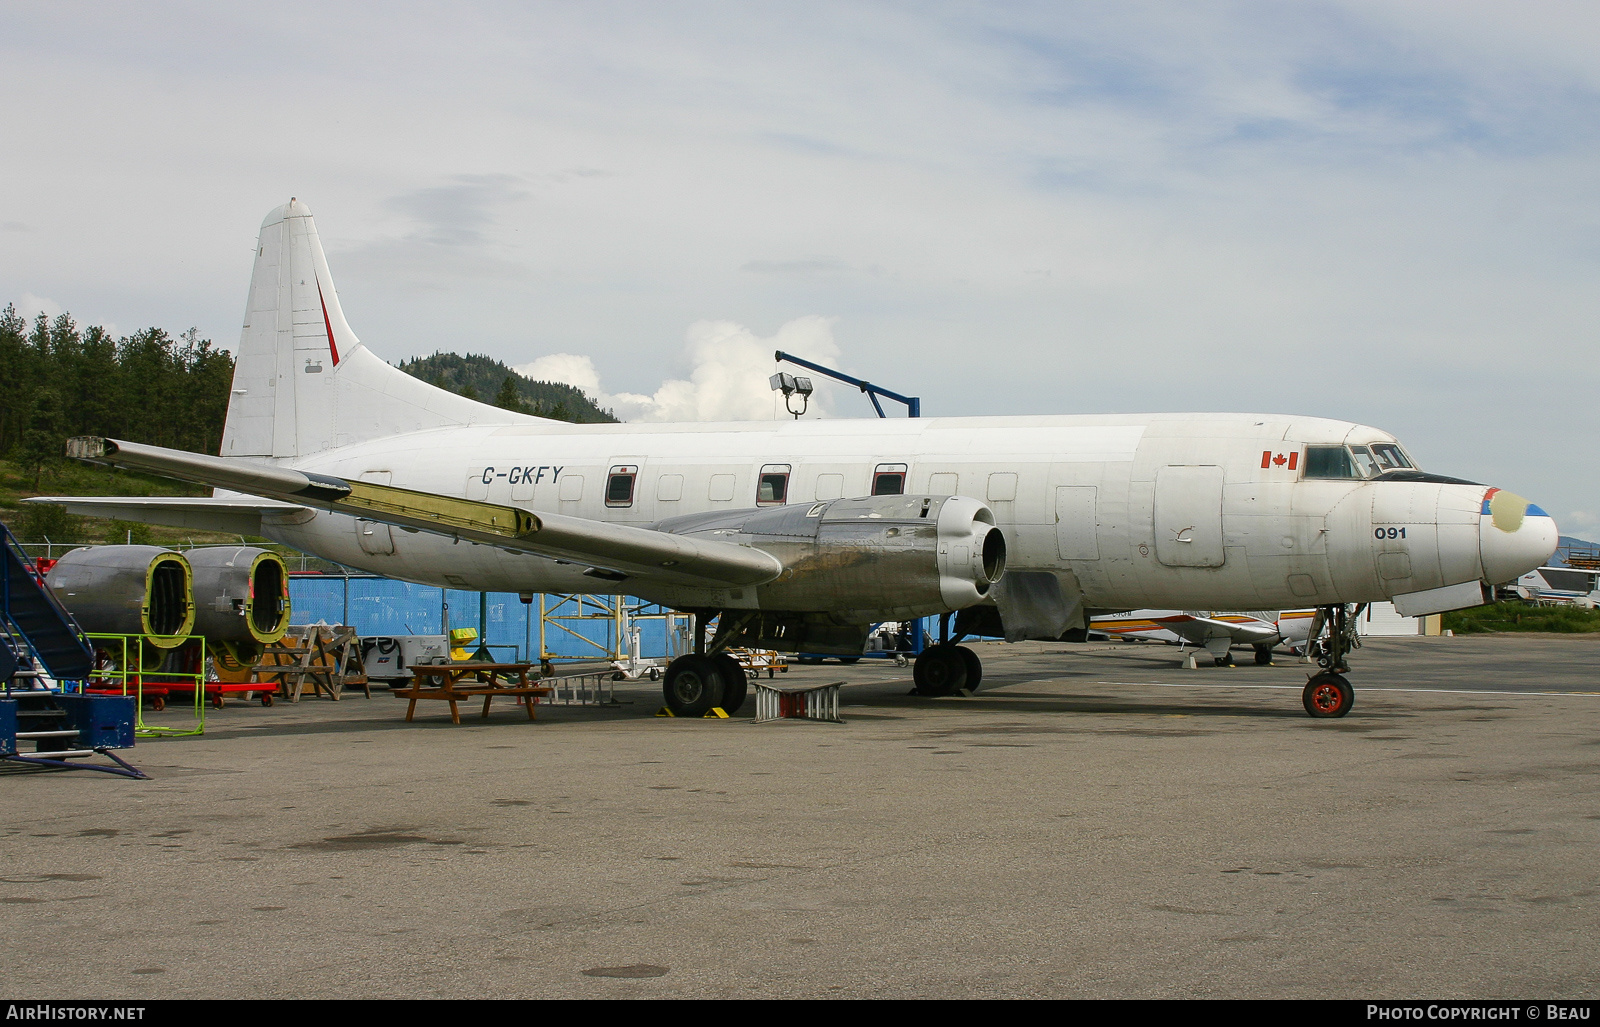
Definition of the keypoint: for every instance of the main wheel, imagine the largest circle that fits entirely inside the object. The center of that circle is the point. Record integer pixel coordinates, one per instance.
(693, 685)
(940, 671)
(1263, 656)
(735, 684)
(974, 667)
(1328, 695)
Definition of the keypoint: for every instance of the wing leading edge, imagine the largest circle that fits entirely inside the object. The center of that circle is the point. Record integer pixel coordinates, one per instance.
(621, 549)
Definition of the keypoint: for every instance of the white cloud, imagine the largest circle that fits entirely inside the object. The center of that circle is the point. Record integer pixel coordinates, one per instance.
(30, 306)
(729, 380)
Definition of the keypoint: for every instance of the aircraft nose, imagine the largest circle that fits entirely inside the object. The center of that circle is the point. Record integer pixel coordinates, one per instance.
(1514, 536)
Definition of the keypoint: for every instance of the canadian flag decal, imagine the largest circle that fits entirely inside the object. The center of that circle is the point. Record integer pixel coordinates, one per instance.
(1269, 460)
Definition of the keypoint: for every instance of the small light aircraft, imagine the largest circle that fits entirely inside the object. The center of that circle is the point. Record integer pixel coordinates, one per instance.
(799, 535)
(1217, 633)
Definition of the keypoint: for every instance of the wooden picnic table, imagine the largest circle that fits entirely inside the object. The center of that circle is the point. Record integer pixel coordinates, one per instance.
(486, 682)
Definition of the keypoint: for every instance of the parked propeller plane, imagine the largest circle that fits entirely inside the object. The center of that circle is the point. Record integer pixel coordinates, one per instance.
(799, 535)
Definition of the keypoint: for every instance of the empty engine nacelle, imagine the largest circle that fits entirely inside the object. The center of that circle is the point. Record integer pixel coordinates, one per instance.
(241, 594)
(127, 590)
(864, 560)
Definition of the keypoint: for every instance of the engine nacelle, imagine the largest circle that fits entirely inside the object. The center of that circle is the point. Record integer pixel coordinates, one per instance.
(241, 594)
(864, 560)
(127, 590)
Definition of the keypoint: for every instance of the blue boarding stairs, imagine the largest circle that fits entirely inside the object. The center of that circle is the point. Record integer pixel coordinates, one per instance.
(38, 637)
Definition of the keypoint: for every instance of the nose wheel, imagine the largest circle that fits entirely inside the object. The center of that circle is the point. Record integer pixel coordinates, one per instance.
(1328, 693)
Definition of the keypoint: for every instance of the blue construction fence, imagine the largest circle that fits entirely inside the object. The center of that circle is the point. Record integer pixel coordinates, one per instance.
(382, 606)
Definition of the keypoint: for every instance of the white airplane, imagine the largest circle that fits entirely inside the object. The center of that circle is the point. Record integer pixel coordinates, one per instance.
(802, 534)
(1217, 633)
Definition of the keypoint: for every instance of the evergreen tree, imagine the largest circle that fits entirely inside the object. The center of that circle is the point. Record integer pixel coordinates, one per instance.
(507, 398)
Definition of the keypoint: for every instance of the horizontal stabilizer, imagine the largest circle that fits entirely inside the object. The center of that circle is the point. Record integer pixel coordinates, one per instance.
(233, 516)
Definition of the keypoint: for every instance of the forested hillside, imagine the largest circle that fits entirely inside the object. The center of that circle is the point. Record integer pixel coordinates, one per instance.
(162, 390)
(489, 381)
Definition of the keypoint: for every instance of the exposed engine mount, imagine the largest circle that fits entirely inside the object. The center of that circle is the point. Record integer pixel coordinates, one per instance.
(127, 590)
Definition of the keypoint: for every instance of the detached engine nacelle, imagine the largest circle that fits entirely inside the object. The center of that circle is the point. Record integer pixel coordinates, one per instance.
(864, 560)
(127, 590)
(241, 594)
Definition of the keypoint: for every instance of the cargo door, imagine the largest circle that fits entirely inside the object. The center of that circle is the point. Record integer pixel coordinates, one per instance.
(1188, 515)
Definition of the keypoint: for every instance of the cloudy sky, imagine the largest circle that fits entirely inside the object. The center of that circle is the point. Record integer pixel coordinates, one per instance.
(1381, 211)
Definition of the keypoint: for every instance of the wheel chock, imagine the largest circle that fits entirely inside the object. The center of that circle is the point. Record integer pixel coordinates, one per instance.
(665, 711)
(715, 713)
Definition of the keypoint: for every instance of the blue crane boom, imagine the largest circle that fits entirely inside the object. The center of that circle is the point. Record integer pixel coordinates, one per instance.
(913, 404)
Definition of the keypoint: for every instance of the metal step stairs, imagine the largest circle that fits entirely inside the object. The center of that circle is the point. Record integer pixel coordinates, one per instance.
(27, 606)
(35, 630)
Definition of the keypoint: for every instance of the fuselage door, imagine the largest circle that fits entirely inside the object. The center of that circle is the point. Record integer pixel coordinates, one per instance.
(1188, 515)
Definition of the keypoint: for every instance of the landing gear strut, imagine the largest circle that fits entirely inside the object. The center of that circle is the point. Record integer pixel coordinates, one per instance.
(1328, 693)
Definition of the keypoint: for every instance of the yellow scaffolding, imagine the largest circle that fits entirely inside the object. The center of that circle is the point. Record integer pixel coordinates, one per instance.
(131, 658)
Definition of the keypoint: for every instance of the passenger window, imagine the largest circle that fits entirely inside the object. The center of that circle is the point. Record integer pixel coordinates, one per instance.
(773, 486)
(889, 480)
(669, 488)
(1329, 462)
(619, 485)
(830, 486)
(720, 490)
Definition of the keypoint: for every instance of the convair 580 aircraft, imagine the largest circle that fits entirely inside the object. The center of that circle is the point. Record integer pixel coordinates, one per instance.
(799, 535)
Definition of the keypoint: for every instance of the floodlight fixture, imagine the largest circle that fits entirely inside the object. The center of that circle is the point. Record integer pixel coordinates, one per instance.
(789, 385)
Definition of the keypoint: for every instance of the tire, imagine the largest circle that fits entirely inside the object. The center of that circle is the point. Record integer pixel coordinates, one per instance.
(974, 667)
(735, 684)
(693, 685)
(266, 698)
(849, 659)
(158, 703)
(1328, 695)
(1263, 656)
(940, 671)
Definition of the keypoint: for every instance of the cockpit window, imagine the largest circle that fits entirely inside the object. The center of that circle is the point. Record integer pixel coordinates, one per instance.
(1366, 463)
(1354, 461)
(1329, 462)
(1390, 456)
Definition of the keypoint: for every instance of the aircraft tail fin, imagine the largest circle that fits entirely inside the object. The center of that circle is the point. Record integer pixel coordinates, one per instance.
(302, 381)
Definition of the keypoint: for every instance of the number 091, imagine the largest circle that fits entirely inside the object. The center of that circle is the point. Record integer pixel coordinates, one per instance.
(1388, 533)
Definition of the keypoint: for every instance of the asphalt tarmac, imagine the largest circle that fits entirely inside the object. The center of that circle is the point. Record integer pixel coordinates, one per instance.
(1096, 822)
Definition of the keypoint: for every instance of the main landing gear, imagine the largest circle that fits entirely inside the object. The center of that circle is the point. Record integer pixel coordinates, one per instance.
(946, 668)
(697, 682)
(1328, 693)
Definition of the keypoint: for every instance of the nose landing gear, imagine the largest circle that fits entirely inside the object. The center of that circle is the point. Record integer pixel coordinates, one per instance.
(1328, 693)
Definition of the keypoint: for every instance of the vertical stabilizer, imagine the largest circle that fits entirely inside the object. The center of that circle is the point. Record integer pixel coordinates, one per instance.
(302, 381)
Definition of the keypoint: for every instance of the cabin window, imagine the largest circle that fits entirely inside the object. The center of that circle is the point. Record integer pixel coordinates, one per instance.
(1330, 462)
(773, 486)
(669, 488)
(720, 489)
(889, 480)
(619, 485)
(571, 488)
(830, 486)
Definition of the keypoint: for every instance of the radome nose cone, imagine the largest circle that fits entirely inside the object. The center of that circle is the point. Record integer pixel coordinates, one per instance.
(1514, 536)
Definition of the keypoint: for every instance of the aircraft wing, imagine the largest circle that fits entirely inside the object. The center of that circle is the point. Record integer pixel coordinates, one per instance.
(239, 516)
(619, 549)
